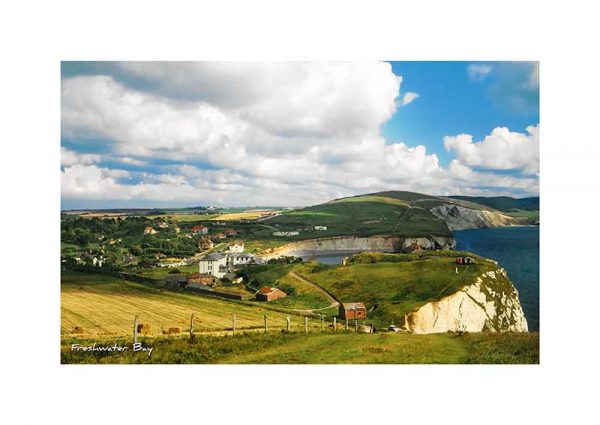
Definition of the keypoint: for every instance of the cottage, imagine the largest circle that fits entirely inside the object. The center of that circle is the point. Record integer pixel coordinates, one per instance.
(220, 235)
(239, 259)
(201, 280)
(205, 244)
(269, 294)
(149, 231)
(214, 264)
(176, 280)
(201, 229)
(353, 311)
(236, 246)
(230, 232)
(465, 260)
(320, 227)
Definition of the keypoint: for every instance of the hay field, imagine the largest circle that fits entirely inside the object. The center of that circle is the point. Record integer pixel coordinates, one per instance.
(102, 306)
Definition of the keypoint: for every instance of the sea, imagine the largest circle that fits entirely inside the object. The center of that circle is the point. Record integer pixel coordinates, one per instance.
(517, 249)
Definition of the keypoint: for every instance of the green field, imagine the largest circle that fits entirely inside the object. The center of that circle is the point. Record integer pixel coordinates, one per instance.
(390, 285)
(362, 216)
(326, 348)
(102, 306)
(302, 295)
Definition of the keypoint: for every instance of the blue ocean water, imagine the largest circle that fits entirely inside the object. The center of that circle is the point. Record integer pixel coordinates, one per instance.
(517, 249)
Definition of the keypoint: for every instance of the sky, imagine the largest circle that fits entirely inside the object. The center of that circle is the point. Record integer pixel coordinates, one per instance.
(175, 134)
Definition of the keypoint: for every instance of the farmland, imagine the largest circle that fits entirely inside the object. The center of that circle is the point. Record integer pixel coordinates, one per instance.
(103, 306)
(326, 348)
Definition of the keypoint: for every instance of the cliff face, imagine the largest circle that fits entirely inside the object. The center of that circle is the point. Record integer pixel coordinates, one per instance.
(460, 218)
(491, 303)
(358, 244)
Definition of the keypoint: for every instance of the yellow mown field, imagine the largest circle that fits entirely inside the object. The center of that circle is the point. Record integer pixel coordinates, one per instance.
(94, 305)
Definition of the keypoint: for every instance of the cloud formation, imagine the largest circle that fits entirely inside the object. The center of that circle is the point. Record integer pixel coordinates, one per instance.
(500, 150)
(478, 72)
(290, 133)
(409, 97)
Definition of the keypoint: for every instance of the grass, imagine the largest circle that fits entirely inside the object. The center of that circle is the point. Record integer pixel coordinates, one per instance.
(185, 218)
(245, 215)
(394, 284)
(256, 246)
(324, 348)
(362, 216)
(105, 307)
(302, 296)
(373, 198)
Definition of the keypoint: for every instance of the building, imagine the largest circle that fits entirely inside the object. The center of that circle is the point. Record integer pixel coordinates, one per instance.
(220, 235)
(282, 233)
(239, 259)
(236, 246)
(205, 244)
(149, 231)
(214, 264)
(230, 232)
(465, 260)
(353, 311)
(197, 280)
(269, 294)
(201, 229)
(320, 227)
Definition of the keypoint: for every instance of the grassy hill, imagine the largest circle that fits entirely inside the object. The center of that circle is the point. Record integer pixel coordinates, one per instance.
(504, 203)
(327, 348)
(366, 215)
(389, 284)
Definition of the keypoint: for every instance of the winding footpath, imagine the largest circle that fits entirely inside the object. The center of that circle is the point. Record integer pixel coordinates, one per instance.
(334, 301)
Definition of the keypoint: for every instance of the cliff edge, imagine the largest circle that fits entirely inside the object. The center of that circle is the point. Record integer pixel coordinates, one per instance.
(489, 304)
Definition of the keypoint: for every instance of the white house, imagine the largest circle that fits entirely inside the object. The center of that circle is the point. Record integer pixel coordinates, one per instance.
(214, 264)
(320, 227)
(236, 246)
(239, 259)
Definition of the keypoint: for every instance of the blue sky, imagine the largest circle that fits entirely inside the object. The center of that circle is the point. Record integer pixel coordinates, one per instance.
(139, 134)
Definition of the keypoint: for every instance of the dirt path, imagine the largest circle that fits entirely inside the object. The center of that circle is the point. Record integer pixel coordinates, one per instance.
(330, 297)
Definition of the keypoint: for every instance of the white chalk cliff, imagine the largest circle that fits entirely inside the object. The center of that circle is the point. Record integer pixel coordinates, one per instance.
(351, 244)
(491, 304)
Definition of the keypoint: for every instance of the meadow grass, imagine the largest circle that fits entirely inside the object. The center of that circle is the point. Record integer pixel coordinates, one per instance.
(102, 306)
(324, 348)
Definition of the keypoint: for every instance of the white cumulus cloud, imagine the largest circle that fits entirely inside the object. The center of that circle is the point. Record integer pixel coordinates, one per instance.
(500, 150)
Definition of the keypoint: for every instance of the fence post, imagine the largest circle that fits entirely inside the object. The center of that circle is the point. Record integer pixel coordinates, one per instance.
(346, 323)
(233, 320)
(266, 328)
(322, 323)
(305, 324)
(288, 324)
(135, 329)
(335, 324)
(192, 327)
(356, 325)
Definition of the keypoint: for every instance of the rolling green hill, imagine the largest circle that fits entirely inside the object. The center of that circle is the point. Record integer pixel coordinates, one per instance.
(504, 203)
(385, 213)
